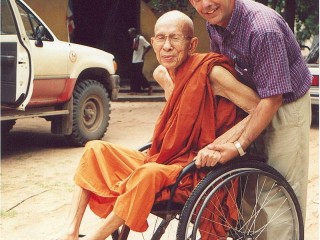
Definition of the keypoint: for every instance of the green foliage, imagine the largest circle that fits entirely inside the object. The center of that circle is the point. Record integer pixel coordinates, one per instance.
(306, 12)
(307, 19)
(306, 16)
(161, 6)
(8, 214)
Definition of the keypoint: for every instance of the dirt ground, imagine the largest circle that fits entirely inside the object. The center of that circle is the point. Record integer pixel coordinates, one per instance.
(37, 170)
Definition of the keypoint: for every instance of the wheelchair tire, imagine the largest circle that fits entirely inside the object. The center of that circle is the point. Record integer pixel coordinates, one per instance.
(244, 227)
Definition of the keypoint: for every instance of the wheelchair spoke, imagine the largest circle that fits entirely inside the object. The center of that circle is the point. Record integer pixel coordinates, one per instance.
(274, 217)
(241, 203)
(256, 208)
(249, 224)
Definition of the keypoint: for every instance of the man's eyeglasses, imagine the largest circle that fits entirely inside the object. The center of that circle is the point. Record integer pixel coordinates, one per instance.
(174, 39)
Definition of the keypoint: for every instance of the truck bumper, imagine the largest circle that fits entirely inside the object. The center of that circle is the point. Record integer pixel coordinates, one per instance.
(115, 86)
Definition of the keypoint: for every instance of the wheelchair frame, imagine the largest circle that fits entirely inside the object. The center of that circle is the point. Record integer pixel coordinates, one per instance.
(219, 177)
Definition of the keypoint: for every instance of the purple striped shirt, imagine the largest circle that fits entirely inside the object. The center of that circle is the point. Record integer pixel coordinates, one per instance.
(264, 50)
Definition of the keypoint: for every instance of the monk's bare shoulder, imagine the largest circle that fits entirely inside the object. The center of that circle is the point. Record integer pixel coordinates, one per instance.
(160, 74)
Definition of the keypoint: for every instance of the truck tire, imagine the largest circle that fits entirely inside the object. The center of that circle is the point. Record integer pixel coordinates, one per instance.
(91, 110)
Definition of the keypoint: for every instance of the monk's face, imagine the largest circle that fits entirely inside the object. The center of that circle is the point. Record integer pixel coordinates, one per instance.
(172, 43)
(216, 12)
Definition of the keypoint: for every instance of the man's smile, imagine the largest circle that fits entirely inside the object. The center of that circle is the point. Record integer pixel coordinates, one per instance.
(212, 11)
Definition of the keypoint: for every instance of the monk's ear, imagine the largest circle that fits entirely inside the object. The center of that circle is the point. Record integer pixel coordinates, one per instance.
(193, 45)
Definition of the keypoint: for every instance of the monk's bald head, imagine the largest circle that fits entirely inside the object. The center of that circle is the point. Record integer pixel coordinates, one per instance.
(178, 18)
(173, 39)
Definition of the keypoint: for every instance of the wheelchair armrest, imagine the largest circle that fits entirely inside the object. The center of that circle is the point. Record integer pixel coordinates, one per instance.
(144, 147)
(187, 169)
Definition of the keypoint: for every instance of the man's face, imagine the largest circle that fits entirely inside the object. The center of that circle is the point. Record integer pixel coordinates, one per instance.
(171, 44)
(216, 12)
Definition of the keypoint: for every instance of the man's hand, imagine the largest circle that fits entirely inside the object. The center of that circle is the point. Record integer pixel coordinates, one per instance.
(207, 158)
(216, 153)
(227, 151)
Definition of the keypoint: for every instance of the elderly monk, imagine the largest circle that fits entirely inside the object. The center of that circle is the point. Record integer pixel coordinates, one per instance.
(121, 185)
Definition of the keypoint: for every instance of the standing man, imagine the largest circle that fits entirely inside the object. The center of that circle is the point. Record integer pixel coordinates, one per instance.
(140, 47)
(267, 58)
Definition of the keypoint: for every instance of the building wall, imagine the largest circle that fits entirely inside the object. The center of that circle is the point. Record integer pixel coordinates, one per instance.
(53, 13)
(147, 22)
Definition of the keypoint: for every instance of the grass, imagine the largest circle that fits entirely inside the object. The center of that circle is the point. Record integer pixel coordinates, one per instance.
(9, 214)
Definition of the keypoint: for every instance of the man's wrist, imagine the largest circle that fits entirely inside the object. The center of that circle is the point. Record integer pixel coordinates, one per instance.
(238, 146)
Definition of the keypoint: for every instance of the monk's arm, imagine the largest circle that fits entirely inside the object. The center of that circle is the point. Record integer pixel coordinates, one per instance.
(223, 148)
(226, 85)
(223, 84)
(161, 75)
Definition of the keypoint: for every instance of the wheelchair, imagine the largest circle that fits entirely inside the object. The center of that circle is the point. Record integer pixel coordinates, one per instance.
(252, 183)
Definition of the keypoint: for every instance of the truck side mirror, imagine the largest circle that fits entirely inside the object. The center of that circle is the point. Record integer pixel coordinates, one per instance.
(39, 35)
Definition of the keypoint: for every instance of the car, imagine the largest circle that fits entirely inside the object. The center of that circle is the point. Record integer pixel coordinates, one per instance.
(314, 90)
(313, 64)
(68, 84)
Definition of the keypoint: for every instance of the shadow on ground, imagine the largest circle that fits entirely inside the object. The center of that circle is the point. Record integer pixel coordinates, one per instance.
(19, 142)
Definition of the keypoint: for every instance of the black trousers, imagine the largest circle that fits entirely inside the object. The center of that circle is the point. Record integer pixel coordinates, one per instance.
(138, 80)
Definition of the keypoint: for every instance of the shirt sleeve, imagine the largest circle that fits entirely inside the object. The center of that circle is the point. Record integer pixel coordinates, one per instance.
(271, 71)
(144, 42)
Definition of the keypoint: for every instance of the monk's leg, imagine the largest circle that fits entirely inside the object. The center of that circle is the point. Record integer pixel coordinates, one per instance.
(106, 227)
(138, 191)
(78, 206)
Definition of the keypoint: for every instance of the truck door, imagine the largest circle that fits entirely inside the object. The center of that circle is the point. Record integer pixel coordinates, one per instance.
(50, 59)
(16, 65)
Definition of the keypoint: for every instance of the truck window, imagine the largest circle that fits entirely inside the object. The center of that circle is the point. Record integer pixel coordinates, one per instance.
(7, 24)
(30, 23)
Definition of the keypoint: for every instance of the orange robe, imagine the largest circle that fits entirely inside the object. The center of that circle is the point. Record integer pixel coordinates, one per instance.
(128, 181)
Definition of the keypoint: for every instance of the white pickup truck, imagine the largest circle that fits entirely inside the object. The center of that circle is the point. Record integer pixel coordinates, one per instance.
(68, 84)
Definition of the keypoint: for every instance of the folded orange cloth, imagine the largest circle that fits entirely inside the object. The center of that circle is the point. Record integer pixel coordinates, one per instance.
(192, 118)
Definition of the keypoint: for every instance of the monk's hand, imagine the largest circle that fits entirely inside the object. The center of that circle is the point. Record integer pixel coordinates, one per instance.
(207, 158)
(228, 151)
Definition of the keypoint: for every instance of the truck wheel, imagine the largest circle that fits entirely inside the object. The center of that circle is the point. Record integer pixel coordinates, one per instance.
(91, 109)
(6, 126)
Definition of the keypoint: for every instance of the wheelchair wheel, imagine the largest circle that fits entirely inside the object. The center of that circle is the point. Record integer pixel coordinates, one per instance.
(261, 203)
